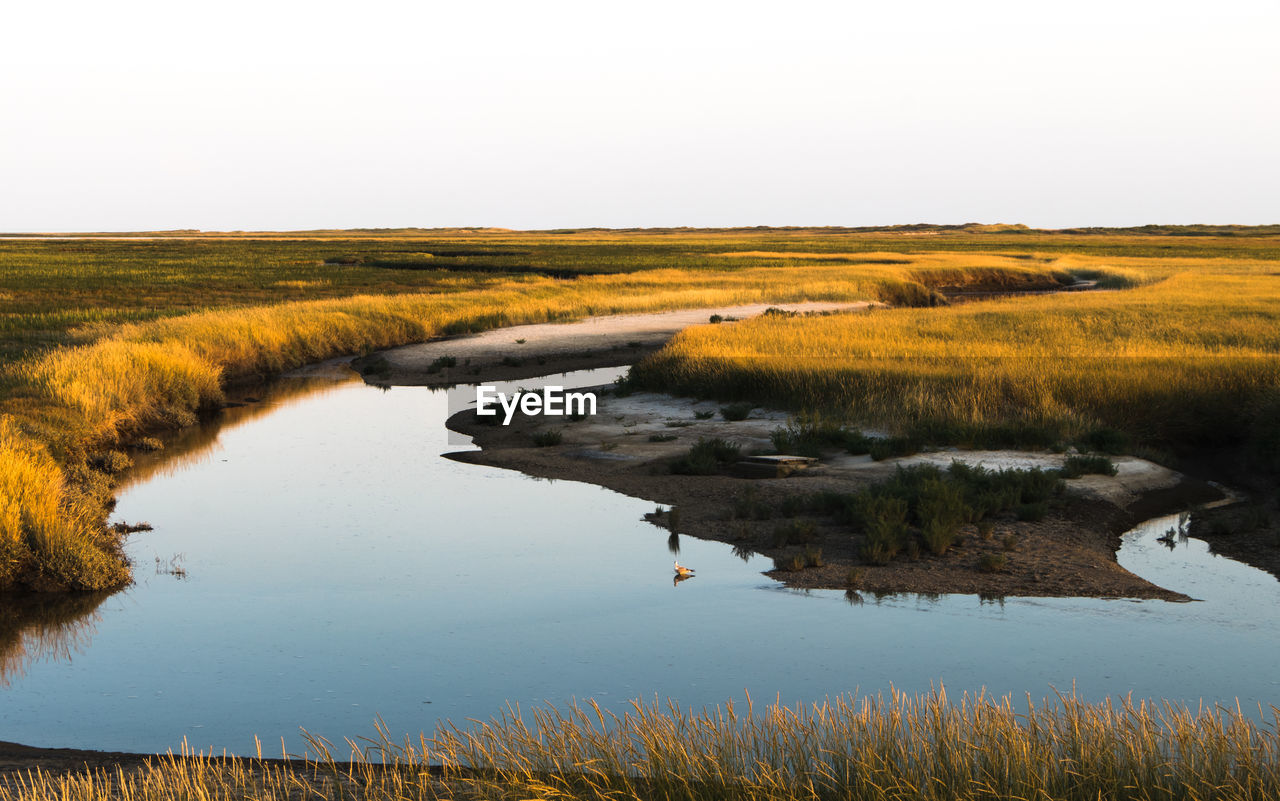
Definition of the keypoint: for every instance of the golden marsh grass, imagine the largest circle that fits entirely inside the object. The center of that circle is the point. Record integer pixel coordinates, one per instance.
(1190, 355)
(894, 747)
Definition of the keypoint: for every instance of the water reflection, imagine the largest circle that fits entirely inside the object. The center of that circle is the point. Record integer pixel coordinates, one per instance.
(44, 627)
(196, 445)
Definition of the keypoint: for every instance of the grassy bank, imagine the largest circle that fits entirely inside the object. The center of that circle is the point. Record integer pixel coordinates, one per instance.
(1185, 356)
(93, 380)
(884, 748)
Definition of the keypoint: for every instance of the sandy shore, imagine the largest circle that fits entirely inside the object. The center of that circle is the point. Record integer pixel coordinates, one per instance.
(523, 351)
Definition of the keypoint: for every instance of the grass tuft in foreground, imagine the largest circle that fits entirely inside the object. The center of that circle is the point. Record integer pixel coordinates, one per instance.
(894, 748)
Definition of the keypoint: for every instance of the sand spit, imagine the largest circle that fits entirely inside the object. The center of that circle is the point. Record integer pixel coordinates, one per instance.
(524, 351)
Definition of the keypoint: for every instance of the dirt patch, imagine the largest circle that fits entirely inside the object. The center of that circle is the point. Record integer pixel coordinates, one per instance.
(629, 444)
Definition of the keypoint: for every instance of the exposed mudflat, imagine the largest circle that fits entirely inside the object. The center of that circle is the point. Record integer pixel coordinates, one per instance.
(1070, 553)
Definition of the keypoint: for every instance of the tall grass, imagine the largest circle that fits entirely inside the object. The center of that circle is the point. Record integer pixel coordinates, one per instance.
(1190, 359)
(50, 536)
(890, 748)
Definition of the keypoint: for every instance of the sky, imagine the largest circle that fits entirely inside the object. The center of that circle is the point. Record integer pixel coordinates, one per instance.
(267, 115)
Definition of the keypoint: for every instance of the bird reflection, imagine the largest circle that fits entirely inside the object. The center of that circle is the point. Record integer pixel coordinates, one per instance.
(682, 573)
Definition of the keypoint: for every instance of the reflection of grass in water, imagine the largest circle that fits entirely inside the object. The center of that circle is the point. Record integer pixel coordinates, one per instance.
(897, 747)
(44, 627)
(194, 445)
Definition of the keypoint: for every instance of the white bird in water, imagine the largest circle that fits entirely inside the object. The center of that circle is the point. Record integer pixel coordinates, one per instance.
(681, 570)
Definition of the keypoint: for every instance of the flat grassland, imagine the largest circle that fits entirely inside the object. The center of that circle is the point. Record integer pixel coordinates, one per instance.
(107, 339)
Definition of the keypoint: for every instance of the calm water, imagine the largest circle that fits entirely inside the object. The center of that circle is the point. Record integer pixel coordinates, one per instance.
(316, 563)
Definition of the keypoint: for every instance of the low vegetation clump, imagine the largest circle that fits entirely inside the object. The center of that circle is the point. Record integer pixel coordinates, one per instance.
(707, 456)
(1076, 465)
(736, 411)
(924, 505)
(442, 363)
(811, 435)
(896, 747)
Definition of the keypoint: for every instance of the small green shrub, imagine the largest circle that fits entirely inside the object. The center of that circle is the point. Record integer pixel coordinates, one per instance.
(885, 522)
(941, 511)
(811, 436)
(736, 411)
(661, 437)
(706, 457)
(704, 415)
(441, 363)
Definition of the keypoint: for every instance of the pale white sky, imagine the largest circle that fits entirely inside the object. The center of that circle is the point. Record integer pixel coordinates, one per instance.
(275, 115)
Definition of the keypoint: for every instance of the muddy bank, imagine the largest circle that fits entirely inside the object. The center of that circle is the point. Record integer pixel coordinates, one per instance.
(524, 351)
(1246, 532)
(16, 759)
(629, 444)
(18, 762)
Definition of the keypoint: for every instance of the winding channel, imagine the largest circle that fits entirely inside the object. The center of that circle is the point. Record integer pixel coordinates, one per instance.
(316, 563)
